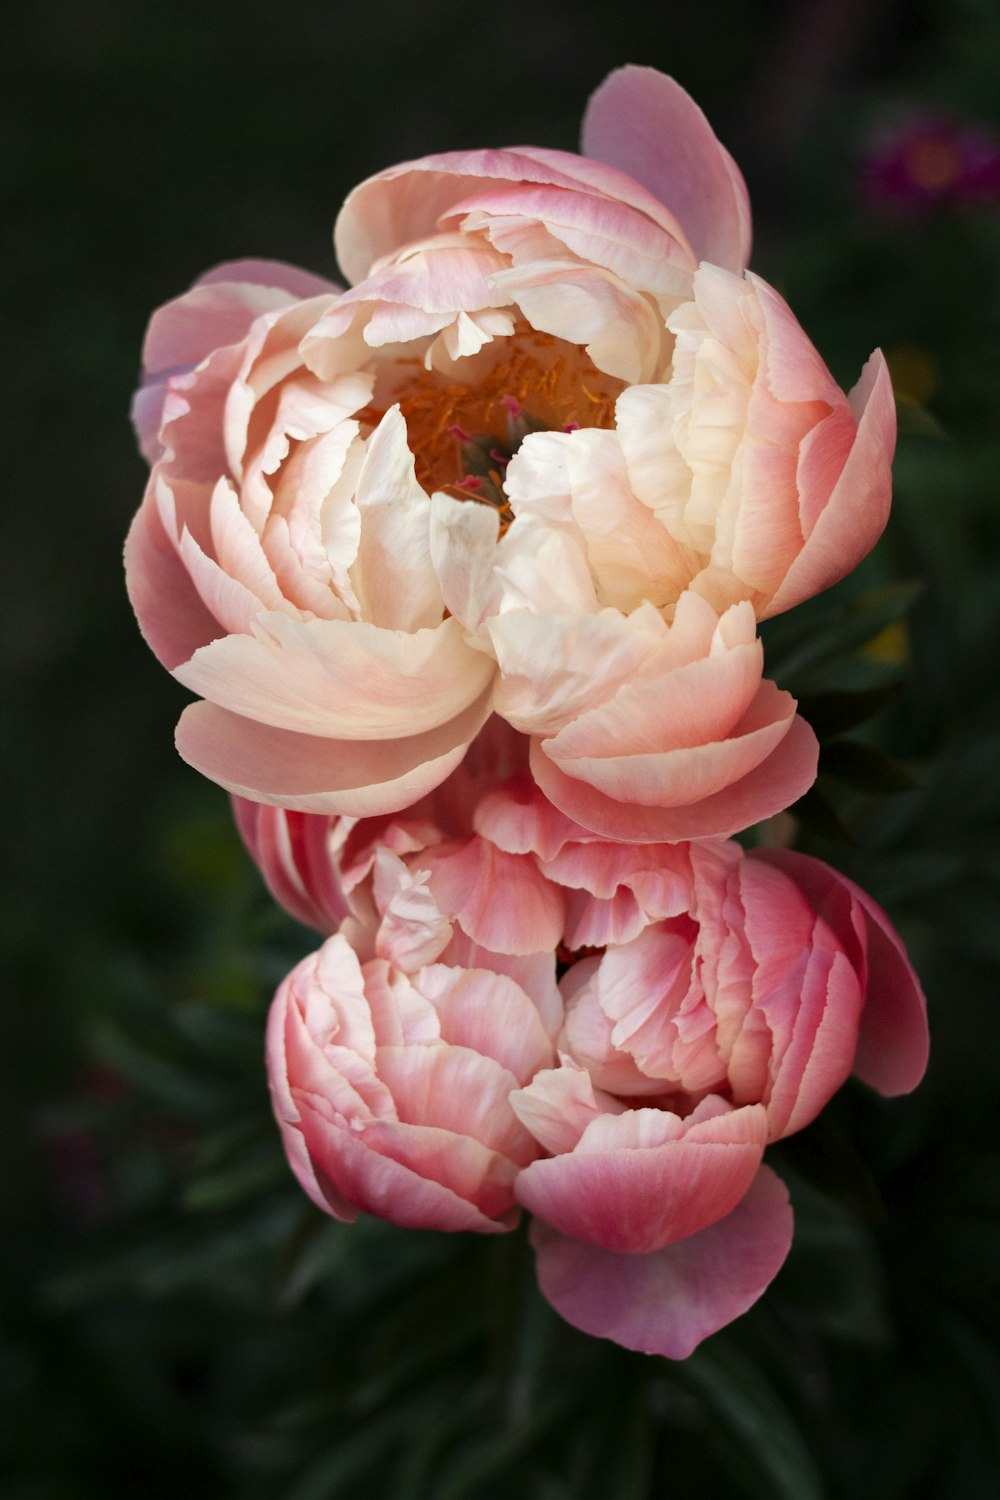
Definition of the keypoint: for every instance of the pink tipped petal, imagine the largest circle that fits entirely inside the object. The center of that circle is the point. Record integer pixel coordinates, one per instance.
(644, 123)
(784, 776)
(668, 777)
(307, 773)
(216, 312)
(667, 1302)
(855, 514)
(340, 677)
(636, 1197)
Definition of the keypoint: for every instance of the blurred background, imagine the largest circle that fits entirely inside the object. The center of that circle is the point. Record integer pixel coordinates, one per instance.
(175, 1314)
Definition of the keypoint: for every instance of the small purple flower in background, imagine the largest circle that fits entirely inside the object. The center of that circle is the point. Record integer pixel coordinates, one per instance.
(927, 160)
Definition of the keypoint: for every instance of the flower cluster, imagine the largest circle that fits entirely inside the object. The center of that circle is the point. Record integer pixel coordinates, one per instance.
(465, 564)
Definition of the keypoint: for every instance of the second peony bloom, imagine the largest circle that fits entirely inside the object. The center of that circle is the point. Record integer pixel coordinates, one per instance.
(550, 456)
(516, 1013)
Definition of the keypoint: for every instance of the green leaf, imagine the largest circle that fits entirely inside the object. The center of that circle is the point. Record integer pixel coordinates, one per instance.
(816, 812)
(864, 767)
(794, 645)
(834, 713)
(758, 1425)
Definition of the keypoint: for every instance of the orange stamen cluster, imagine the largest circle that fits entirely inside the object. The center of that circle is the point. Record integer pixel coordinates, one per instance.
(537, 382)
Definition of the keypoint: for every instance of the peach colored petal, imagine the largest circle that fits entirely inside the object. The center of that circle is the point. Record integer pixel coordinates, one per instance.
(553, 667)
(529, 220)
(622, 333)
(490, 1014)
(340, 677)
(307, 773)
(382, 1186)
(773, 784)
(464, 1166)
(501, 900)
(673, 777)
(456, 1089)
(559, 1103)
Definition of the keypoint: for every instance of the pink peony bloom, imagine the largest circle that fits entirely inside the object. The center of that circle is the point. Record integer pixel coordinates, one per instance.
(391, 1072)
(710, 1001)
(533, 458)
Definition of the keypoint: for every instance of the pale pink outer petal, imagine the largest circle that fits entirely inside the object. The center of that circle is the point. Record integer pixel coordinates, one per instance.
(174, 621)
(893, 1039)
(667, 1302)
(644, 123)
(636, 1197)
(855, 515)
(772, 785)
(308, 773)
(406, 203)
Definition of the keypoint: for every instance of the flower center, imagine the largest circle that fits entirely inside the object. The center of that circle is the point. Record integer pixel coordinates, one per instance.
(464, 434)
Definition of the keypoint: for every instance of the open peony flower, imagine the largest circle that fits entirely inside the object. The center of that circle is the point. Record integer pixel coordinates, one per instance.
(710, 1001)
(551, 452)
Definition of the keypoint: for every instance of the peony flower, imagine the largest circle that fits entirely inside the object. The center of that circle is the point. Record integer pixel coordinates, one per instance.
(740, 1005)
(533, 458)
(391, 1072)
(710, 1002)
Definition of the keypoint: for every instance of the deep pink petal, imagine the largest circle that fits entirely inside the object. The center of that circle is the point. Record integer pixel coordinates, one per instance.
(354, 1173)
(667, 1302)
(893, 1040)
(639, 1198)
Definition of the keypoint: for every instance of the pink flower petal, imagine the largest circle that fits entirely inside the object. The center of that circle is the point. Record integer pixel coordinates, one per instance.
(667, 1302)
(501, 900)
(772, 785)
(349, 1171)
(645, 124)
(308, 773)
(893, 1040)
(637, 1197)
(858, 507)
